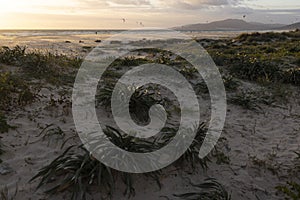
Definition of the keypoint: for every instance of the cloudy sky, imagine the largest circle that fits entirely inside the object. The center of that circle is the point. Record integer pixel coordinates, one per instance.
(108, 14)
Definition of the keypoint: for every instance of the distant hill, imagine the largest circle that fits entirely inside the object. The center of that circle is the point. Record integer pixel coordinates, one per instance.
(291, 27)
(230, 25)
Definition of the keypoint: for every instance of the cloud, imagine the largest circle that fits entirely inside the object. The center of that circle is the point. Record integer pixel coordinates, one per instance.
(129, 2)
(198, 4)
(281, 11)
(155, 13)
(112, 3)
(160, 4)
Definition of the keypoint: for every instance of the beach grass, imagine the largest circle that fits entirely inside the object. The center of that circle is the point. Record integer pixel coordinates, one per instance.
(15, 90)
(41, 65)
(268, 60)
(251, 100)
(268, 57)
(4, 126)
(210, 189)
(1, 150)
(291, 189)
(82, 171)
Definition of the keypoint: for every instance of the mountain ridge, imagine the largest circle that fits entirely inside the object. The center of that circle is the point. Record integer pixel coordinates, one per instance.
(235, 25)
(292, 26)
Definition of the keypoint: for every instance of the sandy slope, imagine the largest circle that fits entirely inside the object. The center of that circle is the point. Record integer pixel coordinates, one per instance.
(273, 131)
(268, 135)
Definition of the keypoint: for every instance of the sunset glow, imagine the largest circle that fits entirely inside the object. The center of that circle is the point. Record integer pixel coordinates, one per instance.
(106, 14)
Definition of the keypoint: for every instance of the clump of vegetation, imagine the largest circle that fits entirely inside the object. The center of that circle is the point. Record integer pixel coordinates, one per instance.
(268, 163)
(255, 70)
(291, 75)
(190, 72)
(164, 58)
(220, 156)
(298, 155)
(272, 61)
(297, 62)
(291, 190)
(140, 102)
(1, 150)
(81, 170)
(279, 92)
(4, 126)
(230, 83)
(51, 67)
(12, 56)
(49, 133)
(292, 34)
(131, 143)
(129, 61)
(192, 154)
(14, 91)
(211, 189)
(145, 97)
(246, 100)
(261, 37)
(251, 99)
(201, 88)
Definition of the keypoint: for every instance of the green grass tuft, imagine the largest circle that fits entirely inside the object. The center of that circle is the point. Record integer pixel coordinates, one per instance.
(246, 100)
(129, 61)
(211, 189)
(261, 37)
(81, 171)
(191, 156)
(4, 126)
(14, 90)
(54, 68)
(291, 190)
(252, 99)
(230, 83)
(260, 57)
(1, 150)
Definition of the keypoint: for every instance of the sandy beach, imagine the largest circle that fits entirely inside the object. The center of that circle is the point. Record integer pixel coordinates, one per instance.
(253, 158)
(79, 43)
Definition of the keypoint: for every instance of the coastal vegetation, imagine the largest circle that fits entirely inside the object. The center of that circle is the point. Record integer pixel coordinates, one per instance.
(258, 71)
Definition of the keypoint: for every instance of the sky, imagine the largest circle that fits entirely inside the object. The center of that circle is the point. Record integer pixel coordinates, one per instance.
(109, 14)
